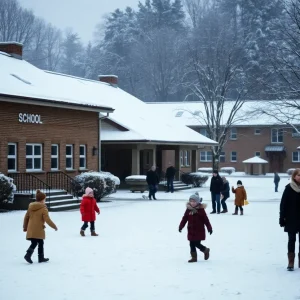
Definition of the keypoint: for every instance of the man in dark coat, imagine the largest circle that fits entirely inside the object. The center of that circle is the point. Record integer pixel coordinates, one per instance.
(170, 174)
(224, 195)
(152, 180)
(289, 217)
(276, 181)
(216, 185)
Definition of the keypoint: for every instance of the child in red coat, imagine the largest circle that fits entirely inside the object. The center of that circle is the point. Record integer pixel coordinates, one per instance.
(88, 207)
(196, 217)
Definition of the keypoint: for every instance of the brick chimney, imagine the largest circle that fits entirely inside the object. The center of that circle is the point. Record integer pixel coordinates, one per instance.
(13, 48)
(111, 79)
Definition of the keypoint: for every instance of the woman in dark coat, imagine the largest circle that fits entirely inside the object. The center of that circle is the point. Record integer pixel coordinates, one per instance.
(216, 185)
(290, 216)
(196, 217)
(152, 180)
(224, 195)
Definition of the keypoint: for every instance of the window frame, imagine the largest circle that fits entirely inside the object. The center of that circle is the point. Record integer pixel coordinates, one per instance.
(223, 156)
(55, 157)
(187, 158)
(206, 156)
(70, 156)
(181, 158)
(83, 156)
(296, 161)
(277, 135)
(257, 152)
(255, 133)
(231, 155)
(34, 156)
(15, 157)
(232, 138)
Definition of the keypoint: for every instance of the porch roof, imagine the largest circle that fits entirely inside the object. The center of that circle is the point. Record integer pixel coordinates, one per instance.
(255, 160)
(275, 148)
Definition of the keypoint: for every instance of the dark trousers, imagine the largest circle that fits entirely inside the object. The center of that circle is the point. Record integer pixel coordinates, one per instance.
(197, 244)
(239, 207)
(86, 225)
(223, 203)
(215, 199)
(170, 185)
(292, 242)
(276, 186)
(152, 190)
(40, 243)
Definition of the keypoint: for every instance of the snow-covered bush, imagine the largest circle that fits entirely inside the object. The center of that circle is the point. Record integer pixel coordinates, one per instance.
(103, 183)
(6, 189)
(290, 171)
(228, 170)
(197, 179)
(205, 170)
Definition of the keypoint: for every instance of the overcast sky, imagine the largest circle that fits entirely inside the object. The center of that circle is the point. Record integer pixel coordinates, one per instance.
(81, 15)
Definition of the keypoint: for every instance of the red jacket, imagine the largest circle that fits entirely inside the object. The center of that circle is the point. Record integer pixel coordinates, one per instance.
(88, 209)
(196, 222)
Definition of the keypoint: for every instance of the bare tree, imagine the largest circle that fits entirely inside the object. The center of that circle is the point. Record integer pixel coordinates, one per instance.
(217, 77)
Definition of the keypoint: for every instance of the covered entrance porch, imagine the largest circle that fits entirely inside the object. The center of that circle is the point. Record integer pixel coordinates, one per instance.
(276, 155)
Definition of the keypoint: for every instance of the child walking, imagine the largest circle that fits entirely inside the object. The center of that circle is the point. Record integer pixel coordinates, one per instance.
(34, 225)
(196, 217)
(88, 207)
(240, 197)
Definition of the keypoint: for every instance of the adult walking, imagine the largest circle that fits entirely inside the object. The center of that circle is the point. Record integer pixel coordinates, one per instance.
(224, 195)
(152, 180)
(289, 216)
(216, 185)
(170, 174)
(276, 181)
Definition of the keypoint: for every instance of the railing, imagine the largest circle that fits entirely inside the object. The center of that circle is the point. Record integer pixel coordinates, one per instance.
(61, 181)
(27, 183)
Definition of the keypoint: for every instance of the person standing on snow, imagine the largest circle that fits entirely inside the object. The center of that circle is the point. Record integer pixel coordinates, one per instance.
(289, 216)
(276, 181)
(240, 197)
(196, 218)
(170, 174)
(88, 209)
(216, 185)
(224, 195)
(152, 180)
(34, 225)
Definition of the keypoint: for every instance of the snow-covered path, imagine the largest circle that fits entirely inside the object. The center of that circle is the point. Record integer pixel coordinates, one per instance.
(140, 255)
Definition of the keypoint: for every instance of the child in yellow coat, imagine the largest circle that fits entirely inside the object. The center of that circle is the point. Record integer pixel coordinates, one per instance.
(240, 197)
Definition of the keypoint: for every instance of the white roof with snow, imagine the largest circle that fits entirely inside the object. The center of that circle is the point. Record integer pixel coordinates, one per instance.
(255, 160)
(143, 122)
(192, 113)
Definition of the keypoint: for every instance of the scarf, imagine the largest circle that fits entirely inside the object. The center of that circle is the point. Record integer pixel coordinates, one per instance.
(295, 186)
(194, 210)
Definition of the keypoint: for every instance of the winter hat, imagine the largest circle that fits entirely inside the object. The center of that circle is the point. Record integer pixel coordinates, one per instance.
(215, 171)
(88, 190)
(196, 198)
(39, 196)
(239, 182)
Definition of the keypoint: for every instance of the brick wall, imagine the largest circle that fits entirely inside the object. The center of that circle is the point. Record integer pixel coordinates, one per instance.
(247, 143)
(60, 126)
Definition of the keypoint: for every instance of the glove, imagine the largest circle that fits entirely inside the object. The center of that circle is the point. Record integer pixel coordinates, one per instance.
(282, 222)
(98, 214)
(24, 229)
(210, 232)
(179, 230)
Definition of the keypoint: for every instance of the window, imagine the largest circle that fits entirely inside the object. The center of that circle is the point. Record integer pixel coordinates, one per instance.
(82, 157)
(257, 153)
(233, 133)
(69, 157)
(296, 132)
(296, 156)
(204, 132)
(257, 131)
(233, 156)
(222, 157)
(181, 158)
(277, 135)
(54, 157)
(206, 156)
(12, 157)
(33, 157)
(187, 158)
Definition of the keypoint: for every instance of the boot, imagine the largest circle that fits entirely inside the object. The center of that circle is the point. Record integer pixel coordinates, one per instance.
(82, 232)
(28, 255)
(224, 211)
(242, 213)
(213, 212)
(194, 257)
(41, 256)
(206, 253)
(93, 233)
(299, 260)
(291, 257)
(235, 212)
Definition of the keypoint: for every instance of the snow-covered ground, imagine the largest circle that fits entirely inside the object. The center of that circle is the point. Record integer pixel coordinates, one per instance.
(140, 255)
